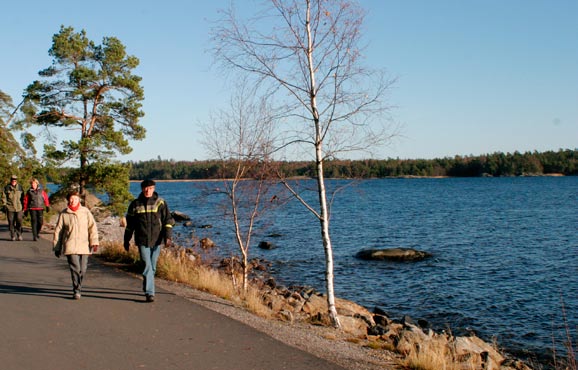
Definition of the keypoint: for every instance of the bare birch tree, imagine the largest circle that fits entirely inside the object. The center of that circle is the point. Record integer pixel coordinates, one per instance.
(240, 137)
(306, 55)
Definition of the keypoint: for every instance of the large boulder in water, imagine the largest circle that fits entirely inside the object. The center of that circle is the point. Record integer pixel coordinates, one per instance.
(392, 254)
(180, 216)
(267, 245)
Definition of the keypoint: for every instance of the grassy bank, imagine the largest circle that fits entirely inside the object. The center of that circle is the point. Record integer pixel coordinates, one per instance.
(178, 266)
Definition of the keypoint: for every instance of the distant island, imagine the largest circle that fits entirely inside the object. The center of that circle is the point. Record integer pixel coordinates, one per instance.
(563, 162)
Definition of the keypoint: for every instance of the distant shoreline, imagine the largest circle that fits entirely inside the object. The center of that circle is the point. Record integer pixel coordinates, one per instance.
(368, 178)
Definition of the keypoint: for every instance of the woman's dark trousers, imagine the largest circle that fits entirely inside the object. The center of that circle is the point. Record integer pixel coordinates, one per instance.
(36, 221)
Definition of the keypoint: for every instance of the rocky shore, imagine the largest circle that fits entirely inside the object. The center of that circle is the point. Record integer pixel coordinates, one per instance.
(367, 340)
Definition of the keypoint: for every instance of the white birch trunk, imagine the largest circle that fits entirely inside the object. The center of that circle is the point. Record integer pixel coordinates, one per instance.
(324, 221)
(319, 158)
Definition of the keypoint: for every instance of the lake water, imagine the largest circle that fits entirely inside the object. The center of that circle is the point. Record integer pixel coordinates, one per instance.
(505, 250)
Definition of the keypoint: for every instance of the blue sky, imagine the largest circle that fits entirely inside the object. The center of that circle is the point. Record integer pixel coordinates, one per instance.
(474, 77)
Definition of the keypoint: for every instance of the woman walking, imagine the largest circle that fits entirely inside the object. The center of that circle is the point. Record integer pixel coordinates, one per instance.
(34, 202)
(75, 236)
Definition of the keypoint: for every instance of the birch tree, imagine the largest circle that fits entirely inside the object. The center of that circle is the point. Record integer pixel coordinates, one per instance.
(307, 55)
(240, 137)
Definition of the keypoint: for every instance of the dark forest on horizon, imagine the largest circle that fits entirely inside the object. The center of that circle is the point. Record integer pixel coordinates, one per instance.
(561, 162)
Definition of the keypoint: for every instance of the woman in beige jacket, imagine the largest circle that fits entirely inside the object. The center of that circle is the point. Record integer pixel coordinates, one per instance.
(76, 237)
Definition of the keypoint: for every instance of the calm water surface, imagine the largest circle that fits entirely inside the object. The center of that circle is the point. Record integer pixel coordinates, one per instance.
(505, 250)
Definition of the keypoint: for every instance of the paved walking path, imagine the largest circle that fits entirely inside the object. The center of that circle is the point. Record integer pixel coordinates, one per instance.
(111, 327)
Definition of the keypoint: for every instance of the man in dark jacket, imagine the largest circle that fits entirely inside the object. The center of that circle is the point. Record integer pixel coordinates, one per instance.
(149, 219)
(13, 205)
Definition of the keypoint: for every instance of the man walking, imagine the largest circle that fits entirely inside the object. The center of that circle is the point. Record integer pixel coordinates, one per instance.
(149, 219)
(13, 205)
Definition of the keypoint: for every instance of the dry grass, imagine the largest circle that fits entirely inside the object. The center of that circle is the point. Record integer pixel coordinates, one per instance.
(381, 345)
(180, 267)
(569, 362)
(114, 253)
(434, 355)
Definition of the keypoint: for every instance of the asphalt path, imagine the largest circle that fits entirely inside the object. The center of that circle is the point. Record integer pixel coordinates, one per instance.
(111, 327)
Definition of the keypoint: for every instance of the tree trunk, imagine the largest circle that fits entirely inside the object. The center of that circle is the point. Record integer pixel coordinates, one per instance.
(238, 235)
(245, 264)
(82, 180)
(324, 212)
(324, 220)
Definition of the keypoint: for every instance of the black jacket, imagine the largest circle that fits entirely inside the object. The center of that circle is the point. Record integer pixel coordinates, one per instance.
(150, 220)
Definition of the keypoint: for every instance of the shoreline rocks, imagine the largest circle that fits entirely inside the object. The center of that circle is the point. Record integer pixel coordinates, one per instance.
(400, 336)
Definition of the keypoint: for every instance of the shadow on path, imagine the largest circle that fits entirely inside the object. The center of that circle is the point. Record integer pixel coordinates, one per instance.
(59, 291)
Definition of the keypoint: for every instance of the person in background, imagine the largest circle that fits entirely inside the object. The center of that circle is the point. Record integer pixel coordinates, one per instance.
(75, 236)
(149, 219)
(34, 202)
(13, 205)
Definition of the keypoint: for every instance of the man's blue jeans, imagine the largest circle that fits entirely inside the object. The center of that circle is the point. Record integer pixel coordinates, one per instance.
(150, 256)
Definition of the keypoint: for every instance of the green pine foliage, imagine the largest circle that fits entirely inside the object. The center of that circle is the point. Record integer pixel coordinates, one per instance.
(12, 156)
(89, 88)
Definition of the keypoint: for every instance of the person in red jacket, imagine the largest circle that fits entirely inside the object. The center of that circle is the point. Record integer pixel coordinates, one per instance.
(34, 202)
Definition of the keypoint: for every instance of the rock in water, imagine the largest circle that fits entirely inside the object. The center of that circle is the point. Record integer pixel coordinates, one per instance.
(180, 216)
(267, 245)
(392, 254)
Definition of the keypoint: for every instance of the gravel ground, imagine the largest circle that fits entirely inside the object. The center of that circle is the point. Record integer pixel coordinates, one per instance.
(323, 342)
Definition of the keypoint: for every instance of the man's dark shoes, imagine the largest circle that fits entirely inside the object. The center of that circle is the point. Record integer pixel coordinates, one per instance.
(149, 298)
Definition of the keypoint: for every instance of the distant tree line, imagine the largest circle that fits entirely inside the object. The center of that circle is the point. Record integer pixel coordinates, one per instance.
(564, 162)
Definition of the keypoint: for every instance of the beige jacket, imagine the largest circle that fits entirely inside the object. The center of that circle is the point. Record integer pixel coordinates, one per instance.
(75, 232)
